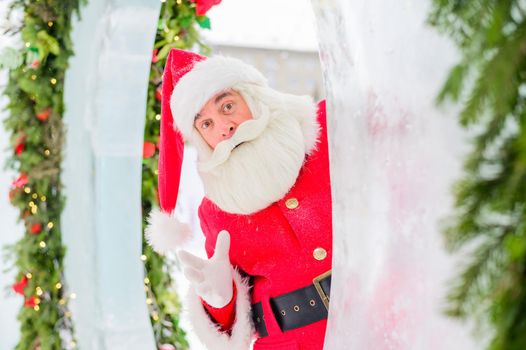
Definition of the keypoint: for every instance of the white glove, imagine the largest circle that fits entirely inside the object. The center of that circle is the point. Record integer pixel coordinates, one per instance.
(212, 278)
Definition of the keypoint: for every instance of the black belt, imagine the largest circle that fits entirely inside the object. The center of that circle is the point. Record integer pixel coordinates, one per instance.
(297, 308)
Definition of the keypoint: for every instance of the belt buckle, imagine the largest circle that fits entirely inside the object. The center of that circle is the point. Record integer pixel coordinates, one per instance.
(323, 296)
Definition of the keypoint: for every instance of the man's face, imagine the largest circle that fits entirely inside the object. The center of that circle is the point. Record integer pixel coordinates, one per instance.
(220, 117)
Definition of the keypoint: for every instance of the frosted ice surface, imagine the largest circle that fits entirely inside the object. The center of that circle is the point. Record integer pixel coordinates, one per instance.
(10, 230)
(105, 95)
(394, 156)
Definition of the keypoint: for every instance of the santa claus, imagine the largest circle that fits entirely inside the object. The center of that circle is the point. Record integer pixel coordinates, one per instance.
(266, 215)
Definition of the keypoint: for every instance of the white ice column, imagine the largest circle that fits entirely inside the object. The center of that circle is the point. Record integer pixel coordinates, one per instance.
(393, 156)
(105, 97)
(10, 233)
(10, 230)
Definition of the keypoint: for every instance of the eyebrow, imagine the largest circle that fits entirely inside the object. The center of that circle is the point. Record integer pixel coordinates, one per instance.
(221, 96)
(216, 101)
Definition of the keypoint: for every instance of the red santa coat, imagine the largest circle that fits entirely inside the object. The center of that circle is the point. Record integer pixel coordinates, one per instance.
(275, 247)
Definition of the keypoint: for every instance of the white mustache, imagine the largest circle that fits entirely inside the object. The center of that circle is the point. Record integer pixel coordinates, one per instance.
(247, 131)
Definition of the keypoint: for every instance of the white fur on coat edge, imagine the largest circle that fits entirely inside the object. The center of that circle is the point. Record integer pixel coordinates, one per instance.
(210, 333)
(165, 232)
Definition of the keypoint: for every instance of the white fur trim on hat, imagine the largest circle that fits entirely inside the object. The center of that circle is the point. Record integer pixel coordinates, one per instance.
(210, 332)
(165, 232)
(207, 78)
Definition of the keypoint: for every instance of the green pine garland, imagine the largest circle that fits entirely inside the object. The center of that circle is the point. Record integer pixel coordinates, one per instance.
(177, 28)
(490, 215)
(35, 93)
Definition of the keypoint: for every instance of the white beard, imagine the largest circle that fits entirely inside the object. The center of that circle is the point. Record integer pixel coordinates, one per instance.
(260, 163)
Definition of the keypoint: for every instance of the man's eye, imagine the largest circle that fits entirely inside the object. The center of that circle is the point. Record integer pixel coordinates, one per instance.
(228, 107)
(205, 124)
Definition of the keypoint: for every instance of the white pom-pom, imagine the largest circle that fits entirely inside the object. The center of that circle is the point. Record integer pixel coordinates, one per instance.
(165, 233)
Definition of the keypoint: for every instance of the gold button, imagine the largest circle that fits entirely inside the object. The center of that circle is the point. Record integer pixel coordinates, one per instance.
(292, 203)
(319, 253)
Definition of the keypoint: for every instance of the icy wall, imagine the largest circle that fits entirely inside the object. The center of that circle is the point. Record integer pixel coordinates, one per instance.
(105, 95)
(10, 230)
(394, 156)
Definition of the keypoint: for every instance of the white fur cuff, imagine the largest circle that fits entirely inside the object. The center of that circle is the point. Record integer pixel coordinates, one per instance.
(165, 233)
(210, 333)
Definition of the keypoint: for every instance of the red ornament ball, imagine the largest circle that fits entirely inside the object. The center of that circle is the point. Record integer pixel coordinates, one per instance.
(19, 148)
(20, 143)
(21, 181)
(148, 149)
(30, 302)
(44, 114)
(202, 6)
(19, 286)
(158, 94)
(155, 59)
(36, 228)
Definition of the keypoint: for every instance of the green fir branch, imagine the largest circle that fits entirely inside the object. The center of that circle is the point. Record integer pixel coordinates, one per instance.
(490, 201)
(35, 106)
(177, 28)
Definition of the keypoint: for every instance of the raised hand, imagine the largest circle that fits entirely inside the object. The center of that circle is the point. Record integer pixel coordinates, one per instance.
(212, 278)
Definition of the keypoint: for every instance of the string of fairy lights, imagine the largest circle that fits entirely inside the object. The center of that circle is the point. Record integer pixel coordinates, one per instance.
(177, 28)
(34, 121)
(35, 91)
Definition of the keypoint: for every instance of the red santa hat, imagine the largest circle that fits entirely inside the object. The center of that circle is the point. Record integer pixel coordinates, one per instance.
(189, 81)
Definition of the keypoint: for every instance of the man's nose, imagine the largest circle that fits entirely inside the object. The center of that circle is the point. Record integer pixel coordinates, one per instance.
(227, 130)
